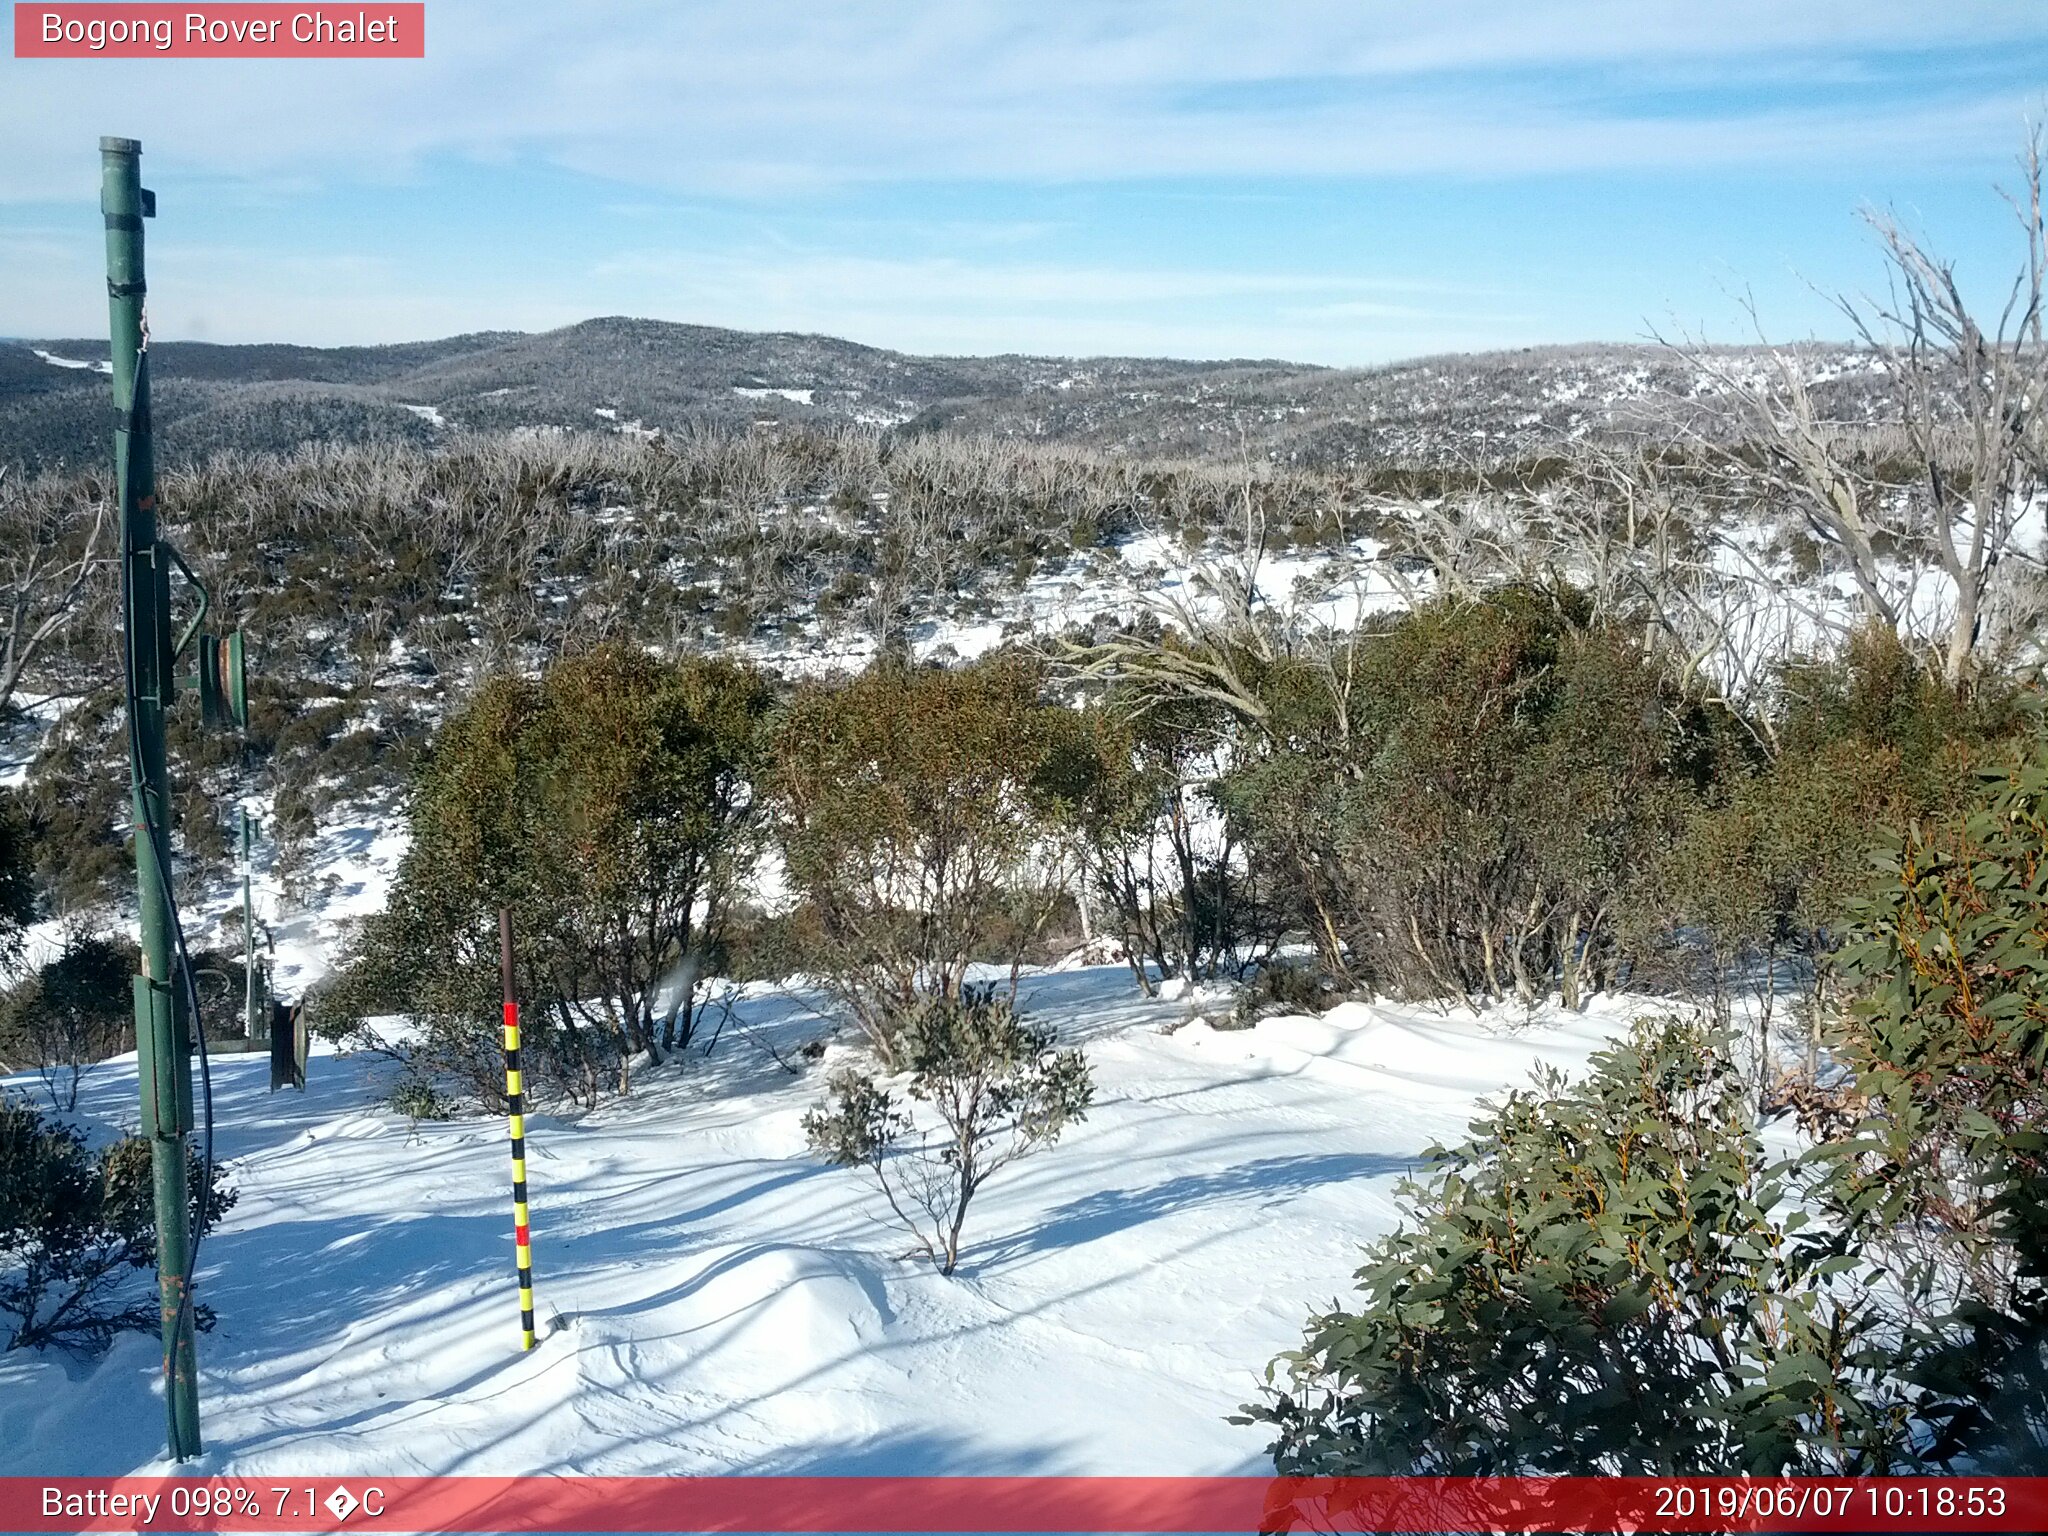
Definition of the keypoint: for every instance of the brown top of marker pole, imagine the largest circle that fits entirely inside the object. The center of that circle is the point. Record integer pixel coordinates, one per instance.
(505, 949)
(120, 146)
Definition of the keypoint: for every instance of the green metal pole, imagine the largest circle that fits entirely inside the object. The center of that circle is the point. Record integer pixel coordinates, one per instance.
(162, 1031)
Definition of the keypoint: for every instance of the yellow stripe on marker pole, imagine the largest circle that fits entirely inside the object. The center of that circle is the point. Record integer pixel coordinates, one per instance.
(515, 1107)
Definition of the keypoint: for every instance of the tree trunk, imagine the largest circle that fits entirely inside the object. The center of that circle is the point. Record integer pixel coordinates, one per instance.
(1962, 638)
(952, 1255)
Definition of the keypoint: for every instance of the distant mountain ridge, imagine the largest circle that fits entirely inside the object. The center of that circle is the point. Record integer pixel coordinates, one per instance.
(618, 374)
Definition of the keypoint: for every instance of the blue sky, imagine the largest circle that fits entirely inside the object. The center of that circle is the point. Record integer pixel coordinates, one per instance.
(1328, 182)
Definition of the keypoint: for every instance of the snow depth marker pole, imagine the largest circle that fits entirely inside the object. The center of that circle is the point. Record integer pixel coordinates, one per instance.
(515, 1108)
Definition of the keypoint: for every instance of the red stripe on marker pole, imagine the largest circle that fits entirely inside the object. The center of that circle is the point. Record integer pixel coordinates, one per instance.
(283, 1502)
(221, 31)
(515, 1103)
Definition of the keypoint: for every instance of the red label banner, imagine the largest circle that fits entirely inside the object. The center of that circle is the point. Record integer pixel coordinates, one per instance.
(1020, 1504)
(233, 31)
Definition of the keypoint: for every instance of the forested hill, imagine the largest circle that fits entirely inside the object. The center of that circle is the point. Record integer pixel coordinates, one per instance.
(622, 375)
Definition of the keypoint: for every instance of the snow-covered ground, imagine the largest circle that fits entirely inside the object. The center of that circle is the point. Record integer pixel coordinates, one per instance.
(70, 362)
(1148, 573)
(713, 1299)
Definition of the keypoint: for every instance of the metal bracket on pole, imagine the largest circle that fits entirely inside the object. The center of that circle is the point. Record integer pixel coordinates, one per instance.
(205, 598)
(162, 642)
(161, 1061)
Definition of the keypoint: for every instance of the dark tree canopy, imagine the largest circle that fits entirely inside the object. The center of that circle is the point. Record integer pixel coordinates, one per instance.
(609, 804)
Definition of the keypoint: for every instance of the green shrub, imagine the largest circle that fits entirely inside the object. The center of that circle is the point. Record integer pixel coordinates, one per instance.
(1470, 816)
(1947, 1044)
(18, 857)
(75, 1230)
(999, 1090)
(1608, 1277)
(77, 800)
(1880, 695)
(417, 1099)
(910, 827)
(1613, 1277)
(610, 805)
(1133, 790)
(1865, 744)
(1281, 988)
(75, 1010)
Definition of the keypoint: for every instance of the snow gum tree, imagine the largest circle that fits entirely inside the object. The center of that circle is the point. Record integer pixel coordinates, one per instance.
(1133, 785)
(1951, 498)
(51, 547)
(910, 819)
(609, 804)
(997, 1088)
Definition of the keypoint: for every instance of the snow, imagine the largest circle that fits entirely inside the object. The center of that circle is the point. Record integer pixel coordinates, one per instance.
(1328, 588)
(357, 852)
(22, 738)
(712, 1299)
(633, 428)
(869, 417)
(798, 396)
(69, 362)
(428, 414)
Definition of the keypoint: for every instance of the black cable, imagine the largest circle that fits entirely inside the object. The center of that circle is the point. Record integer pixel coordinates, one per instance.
(160, 843)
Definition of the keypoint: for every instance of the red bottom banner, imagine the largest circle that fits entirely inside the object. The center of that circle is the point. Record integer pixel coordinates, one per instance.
(1022, 1504)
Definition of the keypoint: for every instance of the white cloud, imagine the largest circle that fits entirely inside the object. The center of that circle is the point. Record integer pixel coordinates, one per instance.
(54, 286)
(833, 278)
(913, 304)
(963, 306)
(757, 97)
(799, 107)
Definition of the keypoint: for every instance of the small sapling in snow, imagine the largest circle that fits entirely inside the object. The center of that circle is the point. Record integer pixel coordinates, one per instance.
(998, 1088)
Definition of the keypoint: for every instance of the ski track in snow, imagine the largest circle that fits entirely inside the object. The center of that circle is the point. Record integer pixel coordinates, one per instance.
(713, 1299)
